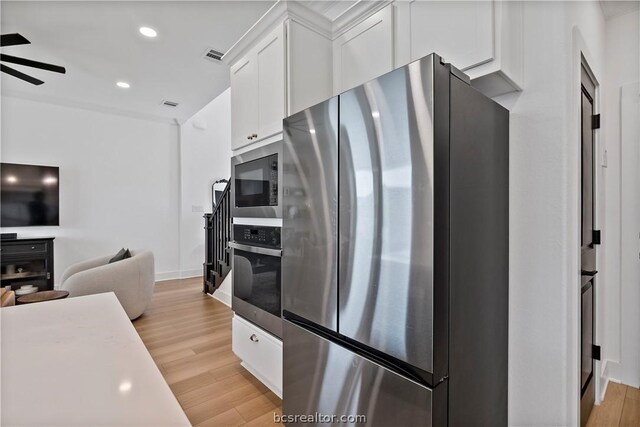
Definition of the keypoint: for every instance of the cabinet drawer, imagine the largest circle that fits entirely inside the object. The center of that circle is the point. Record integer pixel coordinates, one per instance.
(24, 248)
(261, 353)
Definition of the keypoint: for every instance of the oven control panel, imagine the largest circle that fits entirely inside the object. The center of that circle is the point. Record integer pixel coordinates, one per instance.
(257, 235)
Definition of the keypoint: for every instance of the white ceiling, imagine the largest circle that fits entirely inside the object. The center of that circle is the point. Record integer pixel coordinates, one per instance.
(612, 8)
(99, 44)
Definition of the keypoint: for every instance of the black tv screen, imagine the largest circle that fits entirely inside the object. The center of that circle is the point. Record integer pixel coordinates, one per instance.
(30, 195)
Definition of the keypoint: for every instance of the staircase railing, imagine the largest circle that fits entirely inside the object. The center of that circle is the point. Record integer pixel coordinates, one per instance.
(218, 233)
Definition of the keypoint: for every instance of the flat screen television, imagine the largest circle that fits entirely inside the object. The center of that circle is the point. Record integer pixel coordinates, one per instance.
(29, 195)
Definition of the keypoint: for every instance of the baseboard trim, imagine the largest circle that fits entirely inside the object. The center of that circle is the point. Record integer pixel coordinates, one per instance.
(186, 274)
(168, 275)
(605, 376)
(222, 296)
(182, 274)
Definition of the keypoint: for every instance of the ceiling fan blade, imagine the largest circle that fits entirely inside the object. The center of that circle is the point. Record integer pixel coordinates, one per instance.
(12, 40)
(34, 64)
(18, 74)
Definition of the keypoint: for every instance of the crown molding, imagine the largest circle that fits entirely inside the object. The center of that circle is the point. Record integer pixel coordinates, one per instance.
(279, 13)
(355, 15)
(312, 19)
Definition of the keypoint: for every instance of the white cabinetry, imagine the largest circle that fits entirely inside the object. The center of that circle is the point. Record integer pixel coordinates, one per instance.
(271, 79)
(260, 352)
(281, 66)
(482, 38)
(309, 72)
(505, 72)
(460, 31)
(257, 91)
(244, 108)
(365, 51)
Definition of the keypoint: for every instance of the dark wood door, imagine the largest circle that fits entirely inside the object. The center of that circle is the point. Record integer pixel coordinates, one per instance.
(588, 251)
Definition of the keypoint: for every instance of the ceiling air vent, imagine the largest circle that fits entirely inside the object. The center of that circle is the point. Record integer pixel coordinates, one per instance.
(169, 103)
(212, 55)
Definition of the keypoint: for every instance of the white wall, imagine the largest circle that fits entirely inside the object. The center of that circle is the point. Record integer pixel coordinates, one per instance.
(544, 211)
(119, 179)
(205, 156)
(622, 67)
(123, 181)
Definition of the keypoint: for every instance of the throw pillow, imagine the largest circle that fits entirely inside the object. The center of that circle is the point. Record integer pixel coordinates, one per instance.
(119, 256)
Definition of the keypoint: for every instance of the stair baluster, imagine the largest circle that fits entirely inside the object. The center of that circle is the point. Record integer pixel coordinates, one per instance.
(218, 233)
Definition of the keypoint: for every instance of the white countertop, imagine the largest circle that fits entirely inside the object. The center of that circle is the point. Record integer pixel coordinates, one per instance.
(79, 362)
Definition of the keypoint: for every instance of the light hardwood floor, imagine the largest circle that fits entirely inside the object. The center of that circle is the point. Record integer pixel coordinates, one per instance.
(188, 335)
(620, 407)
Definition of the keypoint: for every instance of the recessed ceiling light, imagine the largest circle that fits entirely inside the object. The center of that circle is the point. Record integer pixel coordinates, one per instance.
(148, 32)
(125, 386)
(123, 85)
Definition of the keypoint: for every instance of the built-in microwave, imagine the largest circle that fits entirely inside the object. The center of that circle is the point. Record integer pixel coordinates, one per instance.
(255, 178)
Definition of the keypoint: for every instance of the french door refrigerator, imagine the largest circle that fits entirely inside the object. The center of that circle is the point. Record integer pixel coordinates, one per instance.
(395, 254)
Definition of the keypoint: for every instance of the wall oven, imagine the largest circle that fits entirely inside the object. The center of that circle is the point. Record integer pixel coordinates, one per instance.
(256, 177)
(256, 276)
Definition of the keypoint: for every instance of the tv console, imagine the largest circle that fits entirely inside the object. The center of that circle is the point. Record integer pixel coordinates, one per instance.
(27, 261)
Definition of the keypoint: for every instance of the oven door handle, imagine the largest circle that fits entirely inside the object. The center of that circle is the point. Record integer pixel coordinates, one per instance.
(256, 249)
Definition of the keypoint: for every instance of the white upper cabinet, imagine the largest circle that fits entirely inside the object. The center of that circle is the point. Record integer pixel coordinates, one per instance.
(244, 105)
(483, 38)
(271, 95)
(459, 31)
(257, 91)
(505, 72)
(294, 57)
(309, 69)
(281, 66)
(364, 52)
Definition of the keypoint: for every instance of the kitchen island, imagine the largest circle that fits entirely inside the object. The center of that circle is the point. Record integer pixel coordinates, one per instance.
(80, 362)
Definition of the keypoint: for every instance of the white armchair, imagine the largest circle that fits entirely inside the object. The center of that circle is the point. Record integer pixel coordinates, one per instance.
(131, 279)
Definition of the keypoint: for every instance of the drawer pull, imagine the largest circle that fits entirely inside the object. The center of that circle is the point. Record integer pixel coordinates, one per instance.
(254, 338)
(33, 247)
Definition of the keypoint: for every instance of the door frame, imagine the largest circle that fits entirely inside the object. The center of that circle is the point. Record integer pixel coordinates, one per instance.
(597, 225)
(581, 54)
(628, 369)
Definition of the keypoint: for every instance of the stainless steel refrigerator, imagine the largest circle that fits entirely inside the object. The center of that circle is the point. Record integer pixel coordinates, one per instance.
(395, 254)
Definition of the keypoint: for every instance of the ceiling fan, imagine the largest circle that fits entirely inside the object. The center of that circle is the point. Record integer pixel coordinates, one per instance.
(17, 39)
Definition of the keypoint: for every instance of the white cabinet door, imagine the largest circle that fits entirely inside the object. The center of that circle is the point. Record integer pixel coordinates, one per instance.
(261, 353)
(365, 51)
(309, 67)
(271, 94)
(459, 31)
(244, 101)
